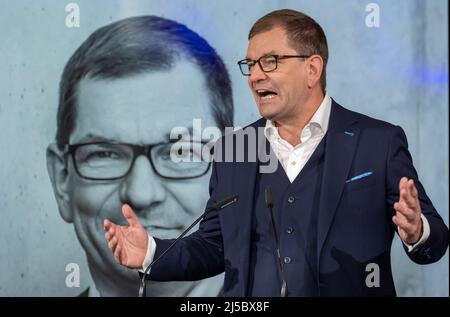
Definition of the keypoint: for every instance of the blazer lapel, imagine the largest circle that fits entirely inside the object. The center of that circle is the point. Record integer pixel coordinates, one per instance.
(341, 143)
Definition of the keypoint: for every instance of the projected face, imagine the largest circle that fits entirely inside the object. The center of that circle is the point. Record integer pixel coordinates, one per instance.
(140, 110)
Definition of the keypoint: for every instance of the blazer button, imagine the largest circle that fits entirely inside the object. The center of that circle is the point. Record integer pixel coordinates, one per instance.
(287, 260)
(291, 199)
(289, 230)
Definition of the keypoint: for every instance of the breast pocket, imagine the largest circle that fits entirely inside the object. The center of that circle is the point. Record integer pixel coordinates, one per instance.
(360, 183)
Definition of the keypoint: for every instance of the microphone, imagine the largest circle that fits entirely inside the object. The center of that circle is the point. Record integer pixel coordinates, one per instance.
(215, 207)
(269, 201)
(222, 204)
(269, 204)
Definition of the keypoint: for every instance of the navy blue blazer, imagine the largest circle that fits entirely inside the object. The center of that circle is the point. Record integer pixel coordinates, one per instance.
(364, 161)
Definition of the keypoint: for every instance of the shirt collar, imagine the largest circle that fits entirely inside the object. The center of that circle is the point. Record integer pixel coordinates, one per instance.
(320, 119)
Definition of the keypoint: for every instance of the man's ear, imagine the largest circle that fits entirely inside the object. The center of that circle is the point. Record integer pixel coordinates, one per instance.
(57, 170)
(315, 70)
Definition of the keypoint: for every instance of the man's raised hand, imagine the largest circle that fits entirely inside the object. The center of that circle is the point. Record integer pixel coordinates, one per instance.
(408, 211)
(127, 243)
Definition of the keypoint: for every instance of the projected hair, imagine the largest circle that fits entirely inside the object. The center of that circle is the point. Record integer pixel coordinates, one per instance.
(137, 45)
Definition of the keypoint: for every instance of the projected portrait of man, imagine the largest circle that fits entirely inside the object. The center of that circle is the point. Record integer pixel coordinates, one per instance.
(121, 93)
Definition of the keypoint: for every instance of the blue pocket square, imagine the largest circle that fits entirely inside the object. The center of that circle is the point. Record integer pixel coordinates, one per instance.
(354, 178)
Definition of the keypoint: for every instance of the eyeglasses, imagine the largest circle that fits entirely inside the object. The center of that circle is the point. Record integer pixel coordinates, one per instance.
(110, 161)
(267, 63)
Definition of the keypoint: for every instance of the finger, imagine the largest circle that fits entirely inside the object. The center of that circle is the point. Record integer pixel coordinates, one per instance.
(109, 239)
(405, 196)
(106, 224)
(402, 185)
(117, 254)
(403, 182)
(409, 200)
(113, 244)
(107, 236)
(402, 222)
(403, 209)
(111, 232)
(109, 226)
(410, 196)
(395, 221)
(130, 216)
(407, 203)
(413, 189)
(114, 247)
(114, 241)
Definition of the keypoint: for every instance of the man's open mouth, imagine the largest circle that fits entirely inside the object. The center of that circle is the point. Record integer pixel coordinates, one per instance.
(266, 94)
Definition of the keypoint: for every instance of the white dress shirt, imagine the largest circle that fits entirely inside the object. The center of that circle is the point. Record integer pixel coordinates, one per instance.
(294, 158)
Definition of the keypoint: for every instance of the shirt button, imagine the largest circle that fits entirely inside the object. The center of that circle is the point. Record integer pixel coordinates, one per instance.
(289, 230)
(293, 163)
(287, 260)
(291, 199)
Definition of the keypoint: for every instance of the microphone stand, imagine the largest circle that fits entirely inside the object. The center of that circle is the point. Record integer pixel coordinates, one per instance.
(218, 206)
(269, 204)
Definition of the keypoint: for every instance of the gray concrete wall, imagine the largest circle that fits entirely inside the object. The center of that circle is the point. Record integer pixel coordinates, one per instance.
(396, 72)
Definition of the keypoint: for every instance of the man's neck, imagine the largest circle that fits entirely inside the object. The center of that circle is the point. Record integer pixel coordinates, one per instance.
(290, 129)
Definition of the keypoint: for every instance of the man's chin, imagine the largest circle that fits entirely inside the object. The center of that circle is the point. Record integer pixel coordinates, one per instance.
(268, 111)
(269, 115)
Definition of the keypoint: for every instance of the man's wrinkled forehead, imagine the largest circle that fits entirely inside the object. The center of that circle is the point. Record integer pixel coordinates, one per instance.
(272, 41)
(91, 137)
(145, 106)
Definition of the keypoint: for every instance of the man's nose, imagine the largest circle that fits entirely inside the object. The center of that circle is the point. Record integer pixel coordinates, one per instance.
(257, 74)
(142, 187)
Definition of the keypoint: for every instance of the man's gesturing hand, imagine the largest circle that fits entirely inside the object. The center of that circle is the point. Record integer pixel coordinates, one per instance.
(127, 243)
(407, 216)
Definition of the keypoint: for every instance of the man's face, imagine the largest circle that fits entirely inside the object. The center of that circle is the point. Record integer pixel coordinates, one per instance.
(141, 109)
(288, 81)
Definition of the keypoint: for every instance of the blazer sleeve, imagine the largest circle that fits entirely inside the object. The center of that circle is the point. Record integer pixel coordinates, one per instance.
(399, 164)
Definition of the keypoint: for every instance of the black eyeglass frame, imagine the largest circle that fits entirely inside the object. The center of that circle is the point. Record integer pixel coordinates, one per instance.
(137, 151)
(246, 61)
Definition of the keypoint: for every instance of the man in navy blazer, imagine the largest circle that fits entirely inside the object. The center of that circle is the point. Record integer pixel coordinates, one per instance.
(321, 222)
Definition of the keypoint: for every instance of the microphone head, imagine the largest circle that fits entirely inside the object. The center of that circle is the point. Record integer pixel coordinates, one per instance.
(268, 196)
(223, 203)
